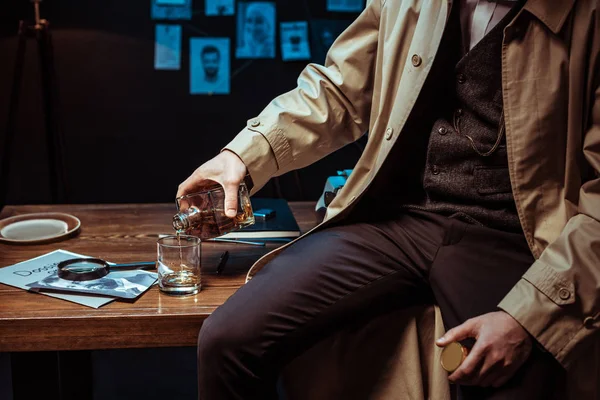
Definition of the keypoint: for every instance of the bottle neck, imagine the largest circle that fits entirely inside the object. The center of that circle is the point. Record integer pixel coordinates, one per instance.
(185, 219)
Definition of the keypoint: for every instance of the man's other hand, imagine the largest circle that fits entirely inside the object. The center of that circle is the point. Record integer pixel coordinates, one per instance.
(227, 169)
(502, 346)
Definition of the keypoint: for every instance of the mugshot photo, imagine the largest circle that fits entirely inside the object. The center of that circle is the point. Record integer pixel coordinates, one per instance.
(167, 47)
(209, 66)
(255, 30)
(171, 9)
(219, 7)
(323, 33)
(345, 5)
(294, 41)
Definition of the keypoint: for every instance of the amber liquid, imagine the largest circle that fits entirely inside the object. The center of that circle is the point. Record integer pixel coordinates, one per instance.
(212, 227)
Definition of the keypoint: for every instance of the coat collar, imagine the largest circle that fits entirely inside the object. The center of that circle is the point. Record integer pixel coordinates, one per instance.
(553, 13)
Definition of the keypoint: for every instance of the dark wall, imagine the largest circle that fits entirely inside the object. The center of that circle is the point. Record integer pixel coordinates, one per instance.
(132, 134)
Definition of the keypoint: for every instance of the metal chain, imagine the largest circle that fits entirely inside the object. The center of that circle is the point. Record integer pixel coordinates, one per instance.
(456, 121)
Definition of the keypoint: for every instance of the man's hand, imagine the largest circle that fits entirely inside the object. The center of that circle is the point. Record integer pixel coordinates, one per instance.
(502, 346)
(227, 169)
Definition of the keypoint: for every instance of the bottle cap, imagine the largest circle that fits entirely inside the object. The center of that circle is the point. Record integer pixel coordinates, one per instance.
(452, 356)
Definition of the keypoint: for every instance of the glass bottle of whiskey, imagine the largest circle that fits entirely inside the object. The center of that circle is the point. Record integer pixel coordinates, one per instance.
(202, 214)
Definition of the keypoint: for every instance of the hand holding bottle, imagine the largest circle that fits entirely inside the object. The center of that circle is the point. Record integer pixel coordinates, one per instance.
(227, 169)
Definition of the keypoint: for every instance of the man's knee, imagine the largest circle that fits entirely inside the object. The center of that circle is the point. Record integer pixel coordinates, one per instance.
(222, 337)
(212, 339)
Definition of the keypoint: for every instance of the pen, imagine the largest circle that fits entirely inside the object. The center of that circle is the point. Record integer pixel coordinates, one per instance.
(222, 262)
(236, 241)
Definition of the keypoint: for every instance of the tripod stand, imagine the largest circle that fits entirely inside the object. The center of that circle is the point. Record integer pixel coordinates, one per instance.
(54, 140)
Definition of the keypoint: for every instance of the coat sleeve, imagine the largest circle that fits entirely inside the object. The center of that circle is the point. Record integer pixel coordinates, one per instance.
(558, 298)
(328, 109)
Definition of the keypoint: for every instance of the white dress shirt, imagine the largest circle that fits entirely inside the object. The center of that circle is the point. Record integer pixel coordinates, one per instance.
(478, 17)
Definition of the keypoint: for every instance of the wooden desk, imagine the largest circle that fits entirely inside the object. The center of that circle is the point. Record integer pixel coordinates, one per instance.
(120, 233)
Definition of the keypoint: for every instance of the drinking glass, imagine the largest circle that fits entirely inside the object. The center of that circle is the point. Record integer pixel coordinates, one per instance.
(179, 259)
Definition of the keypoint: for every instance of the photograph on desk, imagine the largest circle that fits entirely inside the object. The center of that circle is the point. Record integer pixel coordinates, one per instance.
(23, 274)
(121, 284)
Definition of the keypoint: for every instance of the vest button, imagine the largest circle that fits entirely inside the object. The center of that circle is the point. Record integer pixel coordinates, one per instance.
(462, 78)
(435, 169)
(442, 130)
(416, 60)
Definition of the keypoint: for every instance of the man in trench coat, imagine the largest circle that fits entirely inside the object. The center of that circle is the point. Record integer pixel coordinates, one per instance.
(515, 271)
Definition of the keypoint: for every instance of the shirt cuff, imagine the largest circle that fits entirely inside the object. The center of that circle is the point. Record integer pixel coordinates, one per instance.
(256, 153)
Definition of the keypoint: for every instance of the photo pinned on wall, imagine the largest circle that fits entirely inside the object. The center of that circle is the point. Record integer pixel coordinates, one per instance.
(345, 5)
(323, 33)
(171, 9)
(167, 47)
(294, 41)
(255, 30)
(209, 66)
(219, 7)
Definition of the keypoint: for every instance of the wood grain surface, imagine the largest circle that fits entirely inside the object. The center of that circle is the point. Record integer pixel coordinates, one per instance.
(121, 233)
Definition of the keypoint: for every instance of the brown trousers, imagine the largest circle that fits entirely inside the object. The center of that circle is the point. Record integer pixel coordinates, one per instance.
(350, 273)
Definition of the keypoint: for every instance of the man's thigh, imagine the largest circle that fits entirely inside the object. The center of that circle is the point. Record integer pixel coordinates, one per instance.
(342, 274)
(470, 278)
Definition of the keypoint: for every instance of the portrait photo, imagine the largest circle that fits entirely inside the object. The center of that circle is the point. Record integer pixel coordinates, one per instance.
(345, 5)
(209, 66)
(323, 33)
(255, 30)
(171, 9)
(167, 47)
(219, 7)
(294, 41)
(123, 284)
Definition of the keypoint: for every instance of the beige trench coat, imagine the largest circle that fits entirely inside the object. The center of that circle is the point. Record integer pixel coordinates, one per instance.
(551, 94)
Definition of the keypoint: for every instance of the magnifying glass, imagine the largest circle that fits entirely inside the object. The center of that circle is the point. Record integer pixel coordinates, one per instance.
(86, 269)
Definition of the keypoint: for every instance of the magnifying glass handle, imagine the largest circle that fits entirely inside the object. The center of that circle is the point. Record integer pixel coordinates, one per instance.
(136, 265)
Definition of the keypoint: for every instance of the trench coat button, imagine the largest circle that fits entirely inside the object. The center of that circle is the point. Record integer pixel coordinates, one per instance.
(589, 322)
(389, 132)
(461, 78)
(564, 293)
(254, 123)
(416, 60)
(435, 169)
(442, 131)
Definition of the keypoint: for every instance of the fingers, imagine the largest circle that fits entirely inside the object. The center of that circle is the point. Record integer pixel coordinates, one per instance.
(468, 329)
(231, 188)
(470, 369)
(189, 185)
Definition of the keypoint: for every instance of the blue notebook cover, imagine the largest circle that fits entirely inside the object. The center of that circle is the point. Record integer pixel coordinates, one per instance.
(282, 225)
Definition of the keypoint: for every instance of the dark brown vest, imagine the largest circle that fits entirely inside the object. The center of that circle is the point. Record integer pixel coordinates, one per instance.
(442, 173)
